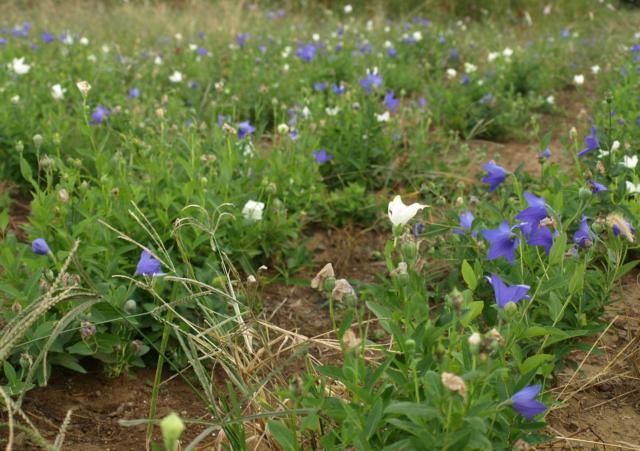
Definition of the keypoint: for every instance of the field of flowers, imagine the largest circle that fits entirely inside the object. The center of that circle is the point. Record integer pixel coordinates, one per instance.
(318, 225)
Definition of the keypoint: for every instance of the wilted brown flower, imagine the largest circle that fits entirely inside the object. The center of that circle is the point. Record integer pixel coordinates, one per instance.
(454, 383)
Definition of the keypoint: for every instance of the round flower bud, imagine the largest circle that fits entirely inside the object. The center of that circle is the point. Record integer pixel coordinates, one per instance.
(584, 193)
(37, 141)
(172, 428)
(130, 306)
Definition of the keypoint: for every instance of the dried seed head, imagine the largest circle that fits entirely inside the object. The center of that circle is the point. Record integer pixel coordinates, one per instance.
(351, 340)
(326, 272)
(454, 383)
(617, 222)
(342, 290)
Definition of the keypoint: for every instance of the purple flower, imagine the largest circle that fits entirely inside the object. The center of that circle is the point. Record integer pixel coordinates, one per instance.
(390, 102)
(525, 404)
(134, 93)
(597, 187)
(546, 154)
(422, 102)
(503, 242)
(392, 52)
(47, 37)
(320, 86)
(39, 246)
(418, 229)
(148, 266)
(466, 221)
(241, 39)
(536, 211)
(591, 142)
(293, 134)
(537, 235)
(507, 293)
(338, 89)
(244, 129)
(202, 51)
(306, 52)
(454, 55)
(617, 231)
(99, 115)
(584, 236)
(486, 100)
(495, 175)
(371, 81)
(322, 156)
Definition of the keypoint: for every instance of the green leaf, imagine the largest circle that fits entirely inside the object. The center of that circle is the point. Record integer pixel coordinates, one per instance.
(374, 418)
(577, 280)
(534, 362)
(475, 309)
(25, 170)
(412, 410)
(469, 275)
(285, 437)
(558, 249)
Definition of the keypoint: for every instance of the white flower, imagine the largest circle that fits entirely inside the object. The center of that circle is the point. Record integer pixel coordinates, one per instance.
(507, 52)
(193, 47)
(84, 41)
(551, 100)
(68, 39)
(306, 112)
(286, 52)
(178, 37)
(492, 56)
(578, 79)
(285, 68)
(18, 66)
(315, 37)
(475, 339)
(615, 145)
(332, 111)
(417, 35)
(92, 58)
(547, 10)
(400, 214)
(57, 92)
(105, 48)
(632, 188)
(387, 44)
(369, 25)
(630, 162)
(451, 73)
(175, 77)
(384, 117)
(470, 68)
(84, 87)
(595, 69)
(157, 60)
(15, 99)
(348, 9)
(253, 210)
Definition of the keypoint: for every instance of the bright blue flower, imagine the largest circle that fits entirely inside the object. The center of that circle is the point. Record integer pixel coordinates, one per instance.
(366, 48)
(371, 81)
(597, 187)
(392, 52)
(418, 229)
(546, 154)
(584, 236)
(306, 52)
(3, 41)
(507, 293)
(454, 56)
(591, 142)
(293, 134)
(322, 156)
(390, 102)
(99, 115)
(422, 102)
(244, 129)
(503, 242)
(39, 246)
(495, 175)
(525, 404)
(320, 86)
(202, 51)
(134, 93)
(148, 266)
(465, 79)
(635, 48)
(466, 222)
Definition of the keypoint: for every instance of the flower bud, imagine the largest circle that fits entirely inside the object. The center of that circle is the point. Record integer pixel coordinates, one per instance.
(19, 146)
(87, 329)
(63, 195)
(510, 310)
(584, 193)
(409, 250)
(56, 139)
(130, 306)
(172, 428)
(37, 141)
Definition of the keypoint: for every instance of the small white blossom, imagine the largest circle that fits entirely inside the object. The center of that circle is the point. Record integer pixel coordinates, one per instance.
(507, 52)
(451, 73)
(253, 210)
(84, 87)
(384, 117)
(283, 128)
(400, 214)
(550, 100)
(332, 111)
(632, 188)
(615, 145)
(578, 79)
(595, 70)
(57, 92)
(157, 60)
(492, 56)
(15, 99)
(176, 77)
(470, 68)
(348, 9)
(417, 35)
(630, 161)
(18, 66)
(92, 58)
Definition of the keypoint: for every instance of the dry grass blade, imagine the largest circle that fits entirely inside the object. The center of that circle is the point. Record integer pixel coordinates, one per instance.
(63, 431)
(8, 404)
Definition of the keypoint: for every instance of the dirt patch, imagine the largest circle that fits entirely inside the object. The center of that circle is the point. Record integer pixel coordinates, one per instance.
(19, 208)
(99, 402)
(601, 402)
